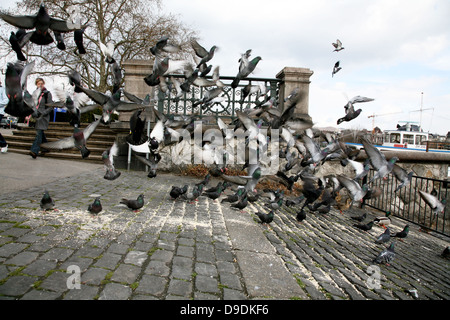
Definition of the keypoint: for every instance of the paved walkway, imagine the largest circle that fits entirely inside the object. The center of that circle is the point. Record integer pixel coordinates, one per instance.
(201, 251)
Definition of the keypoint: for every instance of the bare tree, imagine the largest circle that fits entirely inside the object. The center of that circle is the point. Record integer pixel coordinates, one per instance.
(133, 26)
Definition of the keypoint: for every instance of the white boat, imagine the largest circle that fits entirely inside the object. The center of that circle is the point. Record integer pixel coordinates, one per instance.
(406, 139)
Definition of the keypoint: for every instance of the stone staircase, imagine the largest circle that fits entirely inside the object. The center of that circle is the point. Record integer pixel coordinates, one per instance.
(103, 137)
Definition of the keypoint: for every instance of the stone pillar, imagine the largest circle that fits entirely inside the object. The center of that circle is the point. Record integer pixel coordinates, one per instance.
(134, 73)
(293, 78)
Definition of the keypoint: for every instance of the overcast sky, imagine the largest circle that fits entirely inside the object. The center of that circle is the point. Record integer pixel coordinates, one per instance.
(394, 51)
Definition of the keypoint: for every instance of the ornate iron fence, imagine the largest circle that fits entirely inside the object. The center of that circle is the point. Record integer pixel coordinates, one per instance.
(187, 103)
(407, 204)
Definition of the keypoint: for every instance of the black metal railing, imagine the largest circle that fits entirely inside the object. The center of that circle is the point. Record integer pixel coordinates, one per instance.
(407, 204)
(169, 103)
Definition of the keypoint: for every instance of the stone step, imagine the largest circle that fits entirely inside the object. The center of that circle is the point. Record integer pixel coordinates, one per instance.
(93, 158)
(29, 139)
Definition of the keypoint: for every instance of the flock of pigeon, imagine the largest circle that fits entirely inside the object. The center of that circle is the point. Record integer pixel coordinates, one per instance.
(301, 151)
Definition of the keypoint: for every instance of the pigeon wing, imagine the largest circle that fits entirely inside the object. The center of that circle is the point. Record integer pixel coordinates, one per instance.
(377, 159)
(65, 143)
(24, 22)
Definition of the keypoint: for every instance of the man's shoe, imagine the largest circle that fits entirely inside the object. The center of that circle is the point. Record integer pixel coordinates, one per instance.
(4, 149)
(33, 155)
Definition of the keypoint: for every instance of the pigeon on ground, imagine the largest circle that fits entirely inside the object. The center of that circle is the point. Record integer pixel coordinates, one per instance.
(96, 206)
(241, 204)
(234, 197)
(214, 194)
(337, 45)
(401, 234)
(47, 202)
(301, 215)
(205, 180)
(265, 218)
(41, 22)
(364, 226)
(402, 176)
(77, 140)
(18, 40)
(446, 253)
(386, 256)
(108, 161)
(378, 160)
(193, 194)
(384, 237)
(134, 204)
(336, 68)
(361, 217)
(244, 70)
(432, 201)
(175, 192)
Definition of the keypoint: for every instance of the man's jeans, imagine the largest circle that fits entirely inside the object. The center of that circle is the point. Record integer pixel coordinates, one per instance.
(40, 138)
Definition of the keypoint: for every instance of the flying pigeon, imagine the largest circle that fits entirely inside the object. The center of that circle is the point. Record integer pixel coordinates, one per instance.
(356, 191)
(47, 202)
(77, 140)
(361, 169)
(78, 38)
(107, 51)
(75, 103)
(386, 256)
(152, 162)
(336, 68)
(96, 206)
(244, 70)
(402, 176)
(163, 45)
(21, 103)
(378, 160)
(41, 22)
(59, 40)
(350, 113)
(109, 103)
(337, 45)
(18, 40)
(432, 201)
(134, 204)
(108, 161)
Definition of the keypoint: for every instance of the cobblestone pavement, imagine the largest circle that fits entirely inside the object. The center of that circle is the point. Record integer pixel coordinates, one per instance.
(205, 250)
